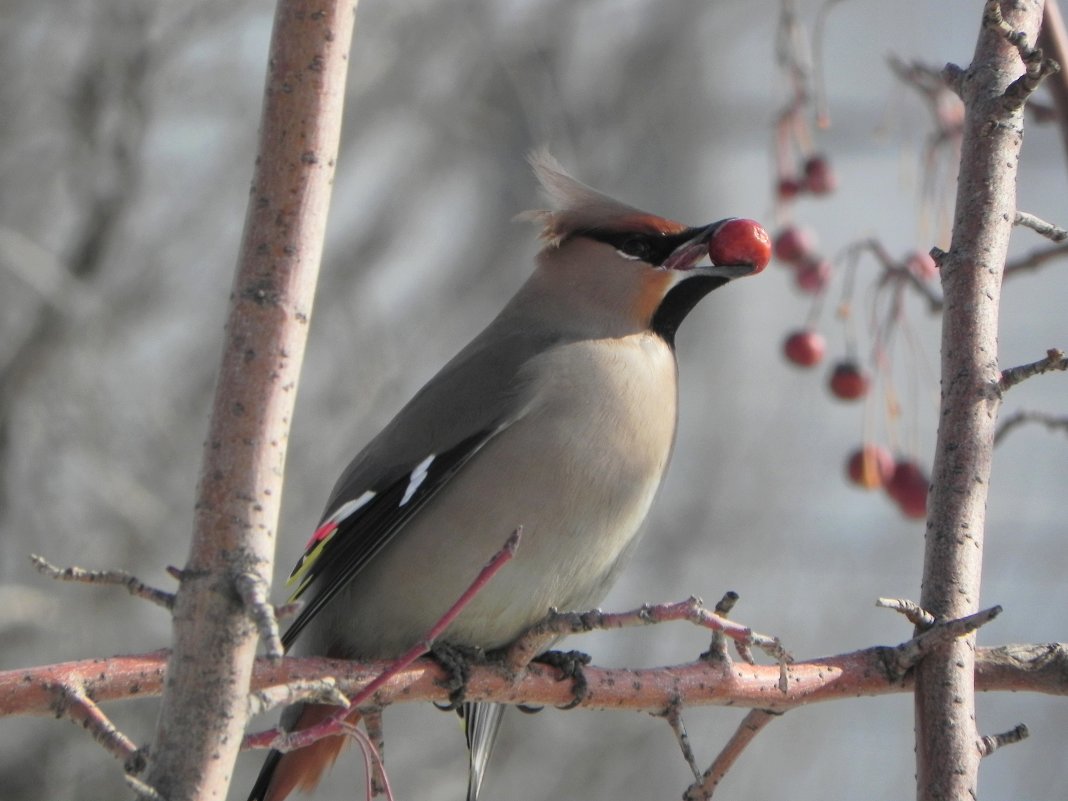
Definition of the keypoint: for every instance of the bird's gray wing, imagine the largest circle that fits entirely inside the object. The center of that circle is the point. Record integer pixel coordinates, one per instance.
(358, 528)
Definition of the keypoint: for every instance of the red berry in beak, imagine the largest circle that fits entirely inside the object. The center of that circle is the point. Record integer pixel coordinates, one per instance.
(741, 241)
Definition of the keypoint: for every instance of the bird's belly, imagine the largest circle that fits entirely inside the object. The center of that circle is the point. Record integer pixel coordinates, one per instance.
(579, 518)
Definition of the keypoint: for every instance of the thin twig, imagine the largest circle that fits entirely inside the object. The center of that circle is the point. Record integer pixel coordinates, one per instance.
(751, 725)
(290, 741)
(377, 777)
(321, 691)
(1052, 232)
(1035, 259)
(73, 703)
(558, 624)
(1055, 360)
(990, 743)
(673, 715)
(1052, 422)
(133, 585)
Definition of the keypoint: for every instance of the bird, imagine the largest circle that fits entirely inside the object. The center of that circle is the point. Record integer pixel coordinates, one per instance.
(559, 418)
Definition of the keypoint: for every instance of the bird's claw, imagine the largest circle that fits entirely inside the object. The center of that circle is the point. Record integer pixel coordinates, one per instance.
(570, 664)
(456, 661)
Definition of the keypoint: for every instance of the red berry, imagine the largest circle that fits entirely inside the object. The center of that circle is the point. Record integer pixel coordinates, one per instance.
(819, 177)
(788, 188)
(870, 467)
(813, 275)
(848, 381)
(741, 241)
(922, 265)
(794, 244)
(805, 348)
(908, 487)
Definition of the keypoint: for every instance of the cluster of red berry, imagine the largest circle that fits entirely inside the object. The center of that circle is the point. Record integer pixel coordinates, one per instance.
(871, 466)
(816, 178)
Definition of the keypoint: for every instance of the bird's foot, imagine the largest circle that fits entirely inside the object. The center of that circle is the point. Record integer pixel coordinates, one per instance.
(456, 661)
(570, 664)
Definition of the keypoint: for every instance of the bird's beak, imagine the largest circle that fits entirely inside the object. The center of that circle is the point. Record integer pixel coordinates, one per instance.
(690, 253)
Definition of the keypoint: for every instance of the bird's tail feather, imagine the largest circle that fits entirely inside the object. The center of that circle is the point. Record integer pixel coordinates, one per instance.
(282, 773)
(481, 724)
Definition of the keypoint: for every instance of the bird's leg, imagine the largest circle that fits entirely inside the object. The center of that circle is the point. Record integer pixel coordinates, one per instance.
(570, 664)
(456, 661)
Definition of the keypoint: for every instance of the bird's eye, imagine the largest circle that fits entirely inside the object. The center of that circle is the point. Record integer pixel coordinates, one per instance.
(635, 247)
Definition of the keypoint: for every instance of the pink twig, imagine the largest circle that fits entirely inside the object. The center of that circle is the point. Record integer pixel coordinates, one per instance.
(335, 723)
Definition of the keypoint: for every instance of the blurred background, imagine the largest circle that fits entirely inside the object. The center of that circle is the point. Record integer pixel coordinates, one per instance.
(126, 145)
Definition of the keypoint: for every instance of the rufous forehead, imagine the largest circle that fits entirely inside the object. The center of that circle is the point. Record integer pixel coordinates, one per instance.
(647, 224)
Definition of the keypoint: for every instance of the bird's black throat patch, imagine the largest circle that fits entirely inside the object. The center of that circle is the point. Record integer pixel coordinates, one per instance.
(680, 301)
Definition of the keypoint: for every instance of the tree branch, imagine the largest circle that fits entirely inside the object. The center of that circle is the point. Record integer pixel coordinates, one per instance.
(133, 585)
(1055, 360)
(1003, 72)
(1038, 668)
(203, 714)
(747, 730)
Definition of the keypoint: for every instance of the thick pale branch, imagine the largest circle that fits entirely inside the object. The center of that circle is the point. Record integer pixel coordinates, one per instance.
(1004, 71)
(1039, 668)
(218, 613)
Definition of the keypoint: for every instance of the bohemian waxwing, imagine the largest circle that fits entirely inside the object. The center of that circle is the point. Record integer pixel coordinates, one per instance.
(559, 417)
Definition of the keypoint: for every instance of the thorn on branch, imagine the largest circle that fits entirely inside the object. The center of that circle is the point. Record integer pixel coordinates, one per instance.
(253, 590)
(120, 578)
(916, 614)
(1041, 227)
(990, 743)
(145, 791)
(898, 661)
(953, 78)
(1037, 66)
(717, 649)
(1055, 360)
(1052, 422)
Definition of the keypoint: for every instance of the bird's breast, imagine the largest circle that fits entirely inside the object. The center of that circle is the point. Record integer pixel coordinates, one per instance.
(578, 471)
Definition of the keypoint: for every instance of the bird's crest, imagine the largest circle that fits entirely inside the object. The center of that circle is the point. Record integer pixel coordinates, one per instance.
(576, 207)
